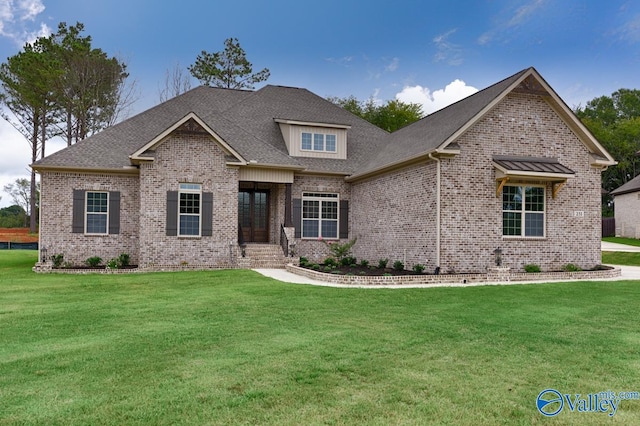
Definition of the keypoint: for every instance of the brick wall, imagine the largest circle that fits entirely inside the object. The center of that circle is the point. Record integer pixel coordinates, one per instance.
(56, 206)
(393, 215)
(313, 249)
(192, 158)
(626, 213)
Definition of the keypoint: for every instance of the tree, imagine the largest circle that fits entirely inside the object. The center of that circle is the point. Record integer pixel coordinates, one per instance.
(175, 83)
(60, 86)
(229, 69)
(615, 121)
(26, 80)
(89, 88)
(390, 116)
(20, 192)
(12, 217)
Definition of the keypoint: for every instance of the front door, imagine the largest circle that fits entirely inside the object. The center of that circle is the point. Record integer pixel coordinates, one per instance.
(253, 215)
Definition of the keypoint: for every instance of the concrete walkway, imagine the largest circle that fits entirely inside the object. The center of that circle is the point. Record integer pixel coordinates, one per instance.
(606, 246)
(628, 273)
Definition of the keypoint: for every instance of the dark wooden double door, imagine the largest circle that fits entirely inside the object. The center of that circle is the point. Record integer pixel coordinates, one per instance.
(253, 215)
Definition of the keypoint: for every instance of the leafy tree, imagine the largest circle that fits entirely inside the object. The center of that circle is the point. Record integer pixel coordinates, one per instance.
(615, 121)
(89, 88)
(12, 217)
(228, 68)
(20, 192)
(26, 80)
(60, 85)
(390, 116)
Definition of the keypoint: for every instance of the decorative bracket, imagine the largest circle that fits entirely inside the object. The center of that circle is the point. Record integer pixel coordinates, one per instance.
(555, 188)
(501, 182)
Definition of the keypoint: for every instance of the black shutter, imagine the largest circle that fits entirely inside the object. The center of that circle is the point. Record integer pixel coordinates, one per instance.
(344, 219)
(77, 215)
(114, 212)
(172, 213)
(207, 214)
(297, 217)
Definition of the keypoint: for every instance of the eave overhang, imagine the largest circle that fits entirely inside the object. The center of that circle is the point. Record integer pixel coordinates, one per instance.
(127, 170)
(140, 156)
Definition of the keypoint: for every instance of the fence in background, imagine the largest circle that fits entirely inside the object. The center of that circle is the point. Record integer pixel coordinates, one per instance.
(18, 246)
(608, 226)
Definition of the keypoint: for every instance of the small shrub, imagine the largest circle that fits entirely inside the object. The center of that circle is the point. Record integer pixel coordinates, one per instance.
(303, 261)
(67, 265)
(382, 263)
(330, 261)
(387, 275)
(398, 265)
(123, 260)
(315, 267)
(362, 273)
(93, 261)
(57, 260)
(532, 267)
(571, 267)
(328, 268)
(364, 263)
(348, 261)
(113, 263)
(340, 251)
(418, 268)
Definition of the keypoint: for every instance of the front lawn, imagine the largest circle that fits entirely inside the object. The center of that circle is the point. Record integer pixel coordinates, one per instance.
(622, 240)
(234, 347)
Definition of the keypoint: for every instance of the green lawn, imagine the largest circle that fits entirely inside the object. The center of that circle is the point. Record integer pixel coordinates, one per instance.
(233, 347)
(622, 240)
(620, 258)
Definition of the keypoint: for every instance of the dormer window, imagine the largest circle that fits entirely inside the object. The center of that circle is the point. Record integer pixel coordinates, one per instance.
(318, 142)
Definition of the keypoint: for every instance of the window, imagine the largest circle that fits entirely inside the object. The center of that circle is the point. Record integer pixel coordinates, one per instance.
(523, 211)
(319, 215)
(319, 142)
(97, 212)
(189, 209)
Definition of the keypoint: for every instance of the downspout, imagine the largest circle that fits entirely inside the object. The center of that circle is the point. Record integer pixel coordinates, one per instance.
(437, 160)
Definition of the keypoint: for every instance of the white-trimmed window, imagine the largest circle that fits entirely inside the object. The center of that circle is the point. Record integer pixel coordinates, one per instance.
(523, 211)
(320, 214)
(96, 212)
(189, 209)
(318, 142)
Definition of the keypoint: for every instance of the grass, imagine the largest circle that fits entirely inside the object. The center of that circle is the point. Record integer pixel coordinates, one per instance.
(620, 258)
(233, 347)
(622, 240)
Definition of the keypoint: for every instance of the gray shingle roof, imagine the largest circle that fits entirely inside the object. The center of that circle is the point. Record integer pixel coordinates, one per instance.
(632, 186)
(246, 121)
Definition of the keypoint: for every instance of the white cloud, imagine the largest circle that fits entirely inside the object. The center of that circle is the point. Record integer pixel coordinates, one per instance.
(434, 101)
(514, 20)
(16, 18)
(447, 51)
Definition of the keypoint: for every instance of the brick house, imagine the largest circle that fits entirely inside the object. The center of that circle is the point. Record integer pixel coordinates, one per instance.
(626, 206)
(185, 182)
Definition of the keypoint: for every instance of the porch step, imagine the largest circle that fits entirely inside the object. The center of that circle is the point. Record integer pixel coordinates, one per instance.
(263, 256)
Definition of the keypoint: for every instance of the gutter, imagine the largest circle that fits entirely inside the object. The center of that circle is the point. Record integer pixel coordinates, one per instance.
(437, 160)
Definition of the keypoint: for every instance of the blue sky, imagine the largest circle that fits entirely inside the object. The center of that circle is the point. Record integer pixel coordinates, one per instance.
(431, 52)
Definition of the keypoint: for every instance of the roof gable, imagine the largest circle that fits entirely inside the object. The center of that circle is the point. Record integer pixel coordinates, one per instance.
(190, 121)
(437, 133)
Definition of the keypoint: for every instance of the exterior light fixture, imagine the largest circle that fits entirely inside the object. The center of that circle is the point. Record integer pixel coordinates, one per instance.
(43, 255)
